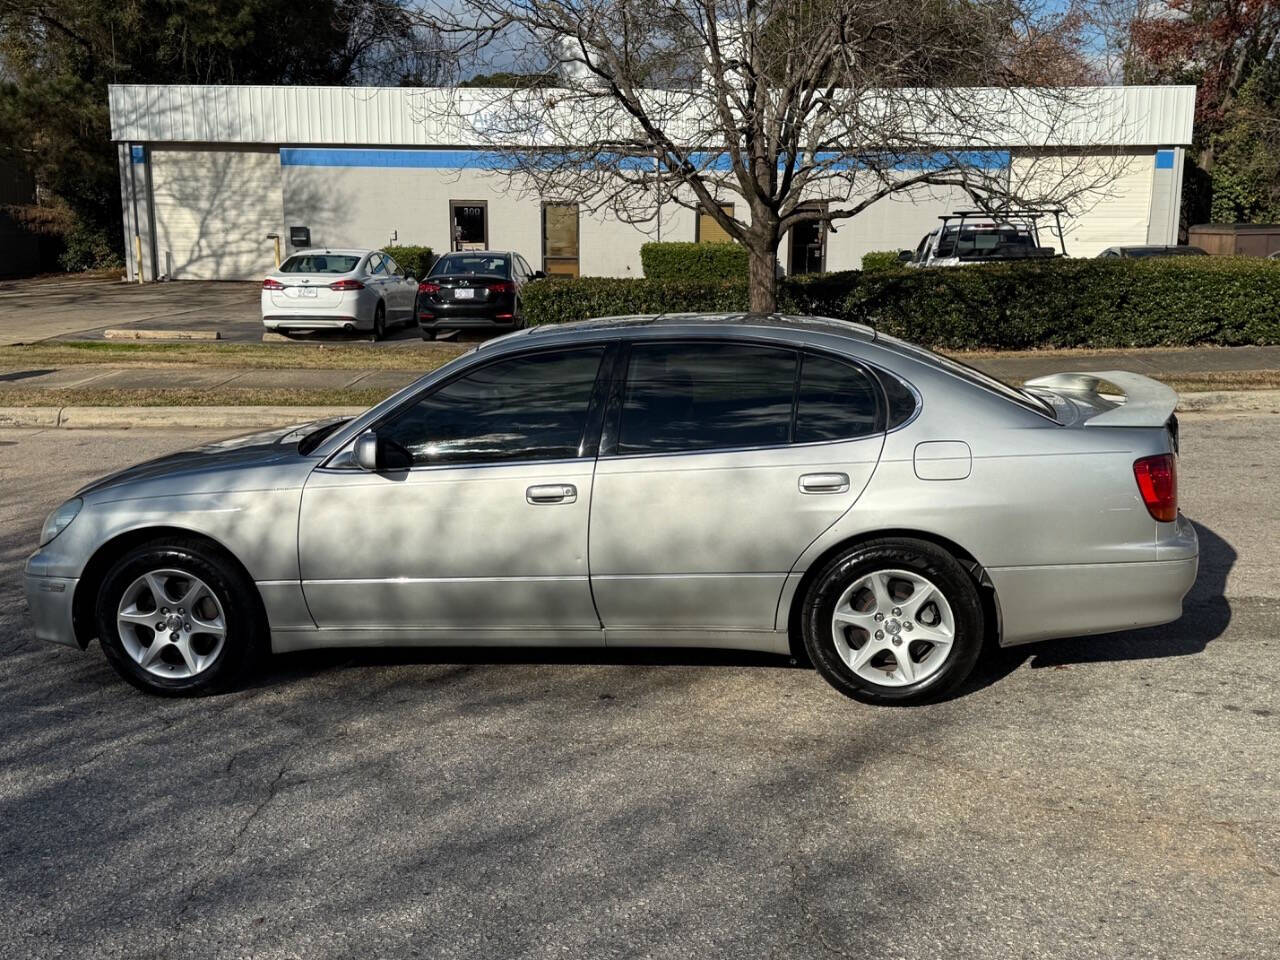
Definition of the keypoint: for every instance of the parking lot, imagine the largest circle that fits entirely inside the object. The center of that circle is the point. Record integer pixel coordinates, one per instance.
(84, 309)
(1105, 797)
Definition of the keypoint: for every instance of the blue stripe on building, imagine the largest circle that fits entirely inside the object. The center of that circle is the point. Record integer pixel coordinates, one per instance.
(492, 160)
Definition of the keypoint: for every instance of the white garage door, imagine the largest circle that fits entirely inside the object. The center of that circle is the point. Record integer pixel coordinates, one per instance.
(214, 209)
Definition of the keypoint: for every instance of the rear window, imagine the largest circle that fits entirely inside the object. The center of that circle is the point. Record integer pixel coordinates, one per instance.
(470, 266)
(320, 263)
(968, 373)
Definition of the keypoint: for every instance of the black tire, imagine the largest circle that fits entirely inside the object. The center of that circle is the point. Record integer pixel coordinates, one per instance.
(245, 633)
(427, 334)
(379, 322)
(915, 556)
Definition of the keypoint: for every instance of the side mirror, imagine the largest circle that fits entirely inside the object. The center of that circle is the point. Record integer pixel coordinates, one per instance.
(366, 451)
(411, 278)
(906, 256)
(539, 275)
(377, 454)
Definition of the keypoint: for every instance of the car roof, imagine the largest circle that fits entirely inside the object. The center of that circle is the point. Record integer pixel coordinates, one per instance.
(477, 253)
(685, 324)
(330, 251)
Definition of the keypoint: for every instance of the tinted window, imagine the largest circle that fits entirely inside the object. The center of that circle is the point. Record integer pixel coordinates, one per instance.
(701, 396)
(902, 402)
(526, 408)
(319, 263)
(836, 401)
(470, 264)
(392, 266)
(376, 266)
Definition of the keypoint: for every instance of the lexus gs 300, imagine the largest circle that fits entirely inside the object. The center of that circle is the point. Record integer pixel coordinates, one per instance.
(762, 483)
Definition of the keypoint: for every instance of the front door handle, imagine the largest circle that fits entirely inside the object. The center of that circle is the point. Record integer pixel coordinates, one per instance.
(824, 483)
(552, 493)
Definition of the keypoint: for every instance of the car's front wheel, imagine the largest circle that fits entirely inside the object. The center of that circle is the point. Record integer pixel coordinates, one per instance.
(893, 621)
(177, 618)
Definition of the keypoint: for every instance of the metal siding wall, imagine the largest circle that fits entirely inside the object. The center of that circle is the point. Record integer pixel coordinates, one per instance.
(1118, 213)
(430, 116)
(1166, 196)
(214, 208)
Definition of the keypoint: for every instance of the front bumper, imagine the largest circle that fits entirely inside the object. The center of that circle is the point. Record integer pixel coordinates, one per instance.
(50, 601)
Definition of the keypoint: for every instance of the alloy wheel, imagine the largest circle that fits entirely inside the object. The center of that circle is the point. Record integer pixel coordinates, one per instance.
(171, 623)
(893, 627)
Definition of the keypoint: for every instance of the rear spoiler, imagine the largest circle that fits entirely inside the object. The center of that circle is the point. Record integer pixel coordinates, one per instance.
(1146, 402)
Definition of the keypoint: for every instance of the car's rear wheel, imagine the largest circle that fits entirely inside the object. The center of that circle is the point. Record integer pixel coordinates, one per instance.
(379, 321)
(427, 334)
(893, 621)
(177, 618)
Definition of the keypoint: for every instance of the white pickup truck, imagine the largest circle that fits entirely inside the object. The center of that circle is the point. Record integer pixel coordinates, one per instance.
(977, 237)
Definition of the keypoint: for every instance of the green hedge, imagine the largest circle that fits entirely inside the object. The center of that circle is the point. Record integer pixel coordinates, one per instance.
(1060, 303)
(880, 260)
(413, 260)
(694, 262)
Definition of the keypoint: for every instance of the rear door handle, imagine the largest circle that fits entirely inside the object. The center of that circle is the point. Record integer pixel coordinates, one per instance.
(824, 483)
(552, 493)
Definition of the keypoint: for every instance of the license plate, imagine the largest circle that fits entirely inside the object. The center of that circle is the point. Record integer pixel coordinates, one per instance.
(464, 293)
(308, 291)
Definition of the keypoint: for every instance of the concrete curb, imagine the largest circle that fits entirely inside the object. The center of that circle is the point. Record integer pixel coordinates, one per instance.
(131, 333)
(246, 418)
(1215, 402)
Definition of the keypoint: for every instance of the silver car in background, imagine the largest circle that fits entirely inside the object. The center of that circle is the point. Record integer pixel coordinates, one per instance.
(345, 290)
(760, 483)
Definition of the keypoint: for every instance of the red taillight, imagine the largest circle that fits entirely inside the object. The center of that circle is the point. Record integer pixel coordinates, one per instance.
(426, 286)
(346, 285)
(1158, 483)
(502, 286)
(272, 284)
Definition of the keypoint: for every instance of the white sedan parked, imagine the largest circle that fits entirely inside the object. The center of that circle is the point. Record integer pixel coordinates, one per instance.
(338, 290)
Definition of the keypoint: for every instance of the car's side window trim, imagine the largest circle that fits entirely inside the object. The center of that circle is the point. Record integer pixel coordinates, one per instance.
(588, 442)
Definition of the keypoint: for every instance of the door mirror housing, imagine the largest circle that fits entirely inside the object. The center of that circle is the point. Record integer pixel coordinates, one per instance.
(366, 451)
(539, 275)
(378, 454)
(905, 256)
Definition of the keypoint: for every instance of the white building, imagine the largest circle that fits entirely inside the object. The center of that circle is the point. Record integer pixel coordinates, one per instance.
(209, 173)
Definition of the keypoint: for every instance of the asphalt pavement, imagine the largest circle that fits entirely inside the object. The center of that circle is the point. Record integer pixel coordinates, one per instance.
(1103, 797)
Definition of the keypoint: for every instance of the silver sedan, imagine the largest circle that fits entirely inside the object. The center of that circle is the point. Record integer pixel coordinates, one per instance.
(760, 483)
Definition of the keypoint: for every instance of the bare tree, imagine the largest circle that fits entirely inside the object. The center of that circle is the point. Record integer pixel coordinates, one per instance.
(797, 110)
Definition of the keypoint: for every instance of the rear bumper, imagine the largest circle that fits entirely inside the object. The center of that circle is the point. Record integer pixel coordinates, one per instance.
(290, 321)
(1040, 603)
(50, 601)
(452, 315)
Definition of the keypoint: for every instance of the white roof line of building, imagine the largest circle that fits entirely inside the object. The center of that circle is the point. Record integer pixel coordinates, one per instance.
(427, 117)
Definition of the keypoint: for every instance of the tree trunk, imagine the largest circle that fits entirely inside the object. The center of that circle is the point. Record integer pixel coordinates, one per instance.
(762, 279)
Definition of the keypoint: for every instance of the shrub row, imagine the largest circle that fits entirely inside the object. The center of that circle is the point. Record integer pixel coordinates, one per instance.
(880, 260)
(693, 262)
(1061, 303)
(414, 260)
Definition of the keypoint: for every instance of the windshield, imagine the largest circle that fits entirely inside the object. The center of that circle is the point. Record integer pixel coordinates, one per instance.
(319, 263)
(972, 375)
(470, 265)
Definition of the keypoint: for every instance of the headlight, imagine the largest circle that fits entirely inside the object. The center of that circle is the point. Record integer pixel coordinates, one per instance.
(60, 519)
